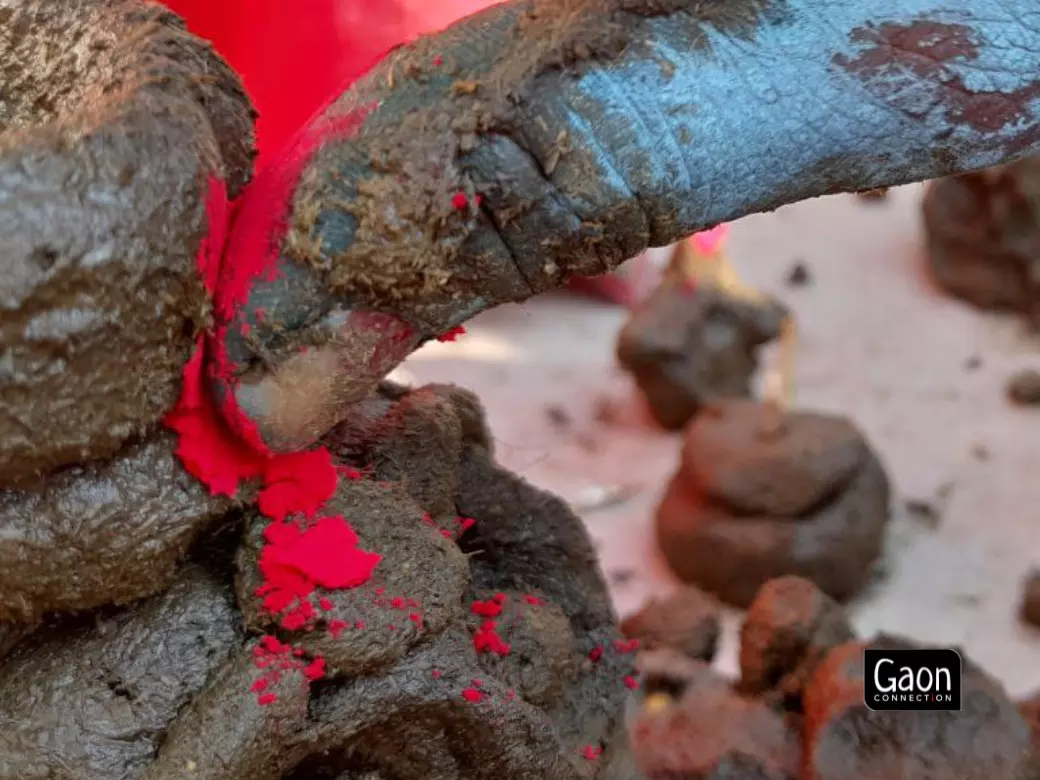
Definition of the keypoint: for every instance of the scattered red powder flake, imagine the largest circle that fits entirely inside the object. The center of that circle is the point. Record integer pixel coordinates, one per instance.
(465, 523)
(337, 627)
(427, 520)
(438, 60)
(479, 199)
(300, 616)
(459, 201)
(487, 640)
(510, 695)
(501, 598)
(325, 604)
(596, 655)
(276, 658)
(452, 334)
(472, 695)
(349, 472)
(315, 670)
(272, 645)
(446, 534)
(490, 608)
(380, 591)
(631, 682)
(591, 752)
(534, 601)
(259, 314)
(416, 618)
(477, 682)
(360, 625)
(298, 482)
(397, 603)
(626, 645)
(437, 674)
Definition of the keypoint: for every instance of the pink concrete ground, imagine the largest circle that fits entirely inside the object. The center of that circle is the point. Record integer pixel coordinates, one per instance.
(879, 344)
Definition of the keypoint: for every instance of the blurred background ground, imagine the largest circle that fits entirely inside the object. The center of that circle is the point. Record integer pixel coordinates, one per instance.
(923, 375)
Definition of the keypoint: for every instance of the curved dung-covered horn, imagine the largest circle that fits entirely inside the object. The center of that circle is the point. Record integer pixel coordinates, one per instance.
(547, 138)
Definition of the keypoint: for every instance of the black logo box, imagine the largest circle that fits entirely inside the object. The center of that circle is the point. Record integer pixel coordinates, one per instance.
(912, 680)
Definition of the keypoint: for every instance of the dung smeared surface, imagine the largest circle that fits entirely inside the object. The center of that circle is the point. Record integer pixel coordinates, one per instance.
(717, 525)
(687, 620)
(687, 347)
(100, 297)
(983, 232)
(94, 703)
(988, 739)
(105, 533)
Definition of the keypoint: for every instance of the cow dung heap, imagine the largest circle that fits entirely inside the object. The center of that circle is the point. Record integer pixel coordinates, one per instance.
(798, 711)
(468, 654)
(147, 631)
(983, 233)
(687, 346)
(761, 493)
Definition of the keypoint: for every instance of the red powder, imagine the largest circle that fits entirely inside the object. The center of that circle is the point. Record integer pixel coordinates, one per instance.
(596, 655)
(438, 60)
(452, 334)
(325, 604)
(477, 682)
(479, 199)
(510, 695)
(472, 695)
(631, 682)
(489, 609)
(360, 625)
(326, 554)
(298, 482)
(534, 601)
(337, 627)
(276, 659)
(591, 752)
(487, 640)
(437, 674)
(397, 603)
(299, 617)
(416, 618)
(315, 670)
(205, 447)
(465, 523)
(295, 561)
(459, 201)
(626, 645)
